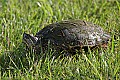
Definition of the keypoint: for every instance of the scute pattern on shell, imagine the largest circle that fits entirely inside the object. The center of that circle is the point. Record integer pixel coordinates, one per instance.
(67, 34)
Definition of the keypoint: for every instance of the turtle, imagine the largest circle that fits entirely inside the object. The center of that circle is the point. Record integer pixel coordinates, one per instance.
(68, 36)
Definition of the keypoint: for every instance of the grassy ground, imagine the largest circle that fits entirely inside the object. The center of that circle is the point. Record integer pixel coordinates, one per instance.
(19, 16)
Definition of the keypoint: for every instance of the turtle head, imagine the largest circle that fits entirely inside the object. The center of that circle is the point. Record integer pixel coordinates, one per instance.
(29, 40)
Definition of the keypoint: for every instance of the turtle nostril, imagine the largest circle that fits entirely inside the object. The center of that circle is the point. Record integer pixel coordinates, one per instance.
(24, 35)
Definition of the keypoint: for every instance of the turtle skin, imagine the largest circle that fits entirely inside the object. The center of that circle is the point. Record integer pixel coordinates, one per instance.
(71, 35)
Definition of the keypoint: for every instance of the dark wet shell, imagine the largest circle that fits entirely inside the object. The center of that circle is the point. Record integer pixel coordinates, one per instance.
(72, 34)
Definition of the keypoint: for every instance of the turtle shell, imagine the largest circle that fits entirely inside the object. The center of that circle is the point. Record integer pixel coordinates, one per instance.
(72, 34)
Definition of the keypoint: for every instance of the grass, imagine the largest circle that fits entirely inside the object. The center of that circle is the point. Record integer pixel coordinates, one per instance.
(19, 16)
